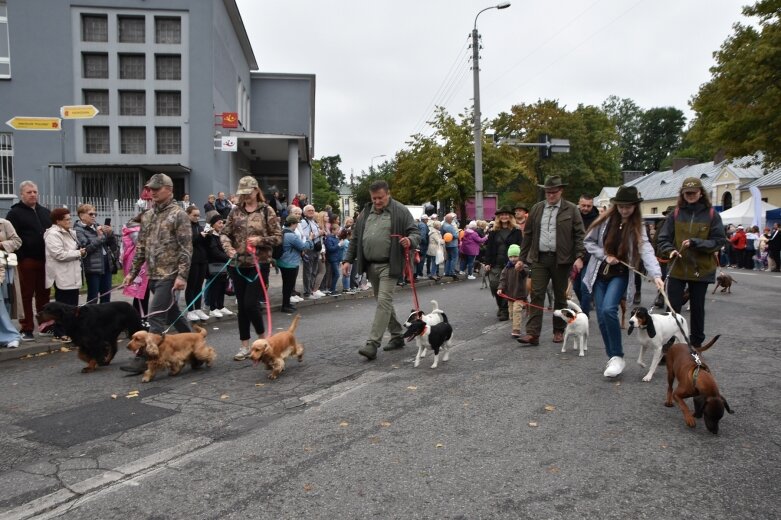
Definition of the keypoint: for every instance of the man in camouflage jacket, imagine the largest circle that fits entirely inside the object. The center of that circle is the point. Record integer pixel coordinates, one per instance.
(165, 244)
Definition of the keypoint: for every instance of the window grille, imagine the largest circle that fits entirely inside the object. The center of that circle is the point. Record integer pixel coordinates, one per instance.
(169, 140)
(96, 139)
(132, 29)
(5, 47)
(94, 28)
(132, 139)
(97, 98)
(6, 163)
(168, 103)
(168, 66)
(168, 30)
(132, 103)
(132, 66)
(95, 65)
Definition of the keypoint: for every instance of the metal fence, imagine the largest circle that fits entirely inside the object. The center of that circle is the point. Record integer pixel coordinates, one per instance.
(119, 211)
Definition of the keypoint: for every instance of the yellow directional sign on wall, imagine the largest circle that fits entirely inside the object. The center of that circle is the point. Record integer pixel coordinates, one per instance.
(78, 111)
(35, 123)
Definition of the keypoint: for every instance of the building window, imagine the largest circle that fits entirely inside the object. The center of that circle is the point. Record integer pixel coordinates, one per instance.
(94, 28)
(132, 103)
(97, 98)
(168, 30)
(653, 210)
(168, 66)
(96, 139)
(168, 103)
(132, 66)
(6, 163)
(132, 29)
(132, 139)
(169, 140)
(95, 65)
(5, 46)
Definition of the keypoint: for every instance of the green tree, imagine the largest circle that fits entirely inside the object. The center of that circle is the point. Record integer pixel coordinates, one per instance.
(322, 194)
(329, 167)
(738, 109)
(660, 135)
(384, 171)
(626, 116)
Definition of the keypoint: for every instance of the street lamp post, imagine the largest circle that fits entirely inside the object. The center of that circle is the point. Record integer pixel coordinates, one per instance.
(371, 167)
(476, 115)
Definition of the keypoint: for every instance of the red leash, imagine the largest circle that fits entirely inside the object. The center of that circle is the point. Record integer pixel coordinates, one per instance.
(251, 250)
(408, 271)
(524, 302)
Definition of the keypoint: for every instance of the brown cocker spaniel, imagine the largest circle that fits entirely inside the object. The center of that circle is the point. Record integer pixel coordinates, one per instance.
(172, 351)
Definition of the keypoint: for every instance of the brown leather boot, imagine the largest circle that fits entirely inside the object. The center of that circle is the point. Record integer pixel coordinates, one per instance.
(529, 339)
(558, 336)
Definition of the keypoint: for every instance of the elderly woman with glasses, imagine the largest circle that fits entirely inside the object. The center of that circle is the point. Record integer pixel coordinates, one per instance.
(102, 251)
(63, 266)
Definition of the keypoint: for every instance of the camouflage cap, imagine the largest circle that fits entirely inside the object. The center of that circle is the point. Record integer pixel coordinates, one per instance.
(246, 185)
(691, 182)
(159, 180)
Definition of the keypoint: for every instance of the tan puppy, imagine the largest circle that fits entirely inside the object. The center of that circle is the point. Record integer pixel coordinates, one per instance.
(274, 350)
(172, 351)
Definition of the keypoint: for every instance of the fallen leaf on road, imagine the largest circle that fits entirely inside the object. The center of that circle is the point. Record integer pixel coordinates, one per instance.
(412, 387)
(385, 424)
(224, 396)
(131, 396)
(549, 407)
(533, 424)
(618, 383)
(344, 424)
(64, 349)
(663, 446)
(113, 396)
(307, 449)
(394, 366)
(39, 354)
(374, 439)
(308, 487)
(194, 383)
(553, 469)
(440, 445)
(215, 328)
(260, 384)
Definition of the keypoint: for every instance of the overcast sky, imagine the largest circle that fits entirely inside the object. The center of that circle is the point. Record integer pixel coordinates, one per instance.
(382, 65)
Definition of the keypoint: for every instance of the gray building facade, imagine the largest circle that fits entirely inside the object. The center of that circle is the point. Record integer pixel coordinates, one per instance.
(161, 73)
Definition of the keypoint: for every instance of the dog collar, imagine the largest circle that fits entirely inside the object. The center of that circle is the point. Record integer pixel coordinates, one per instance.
(572, 320)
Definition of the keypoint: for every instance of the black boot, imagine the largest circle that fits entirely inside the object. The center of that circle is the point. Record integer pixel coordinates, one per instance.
(137, 365)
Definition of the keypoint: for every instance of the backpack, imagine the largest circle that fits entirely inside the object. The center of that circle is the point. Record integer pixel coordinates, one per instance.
(277, 251)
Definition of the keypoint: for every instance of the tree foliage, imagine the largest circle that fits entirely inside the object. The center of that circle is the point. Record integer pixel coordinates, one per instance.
(329, 167)
(626, 116)
(591, 164)
(738, 109)
(660, 135)
(322, 194)
(384, 171)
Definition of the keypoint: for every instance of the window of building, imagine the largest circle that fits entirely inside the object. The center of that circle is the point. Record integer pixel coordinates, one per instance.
(96, 139)
(97, 98)
(132, 103)
(95, 65)
(169, 140)
(653, 210)
(168, 29)
(94, 28)
(6, 163)
(5, 46)
(110, 184)
(168, 103)
(132, 66)
(132, 139)
(132, 29)
(168, 66)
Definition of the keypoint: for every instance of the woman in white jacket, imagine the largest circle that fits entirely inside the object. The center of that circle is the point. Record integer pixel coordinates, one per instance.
(63, 262)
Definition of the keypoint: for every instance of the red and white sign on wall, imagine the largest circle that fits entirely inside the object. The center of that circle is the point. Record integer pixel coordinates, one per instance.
(230, 119)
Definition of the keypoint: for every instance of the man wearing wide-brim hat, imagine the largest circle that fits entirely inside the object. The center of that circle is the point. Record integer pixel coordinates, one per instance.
(504, 233)
(165, 245)
(553, 245)
(521, 214)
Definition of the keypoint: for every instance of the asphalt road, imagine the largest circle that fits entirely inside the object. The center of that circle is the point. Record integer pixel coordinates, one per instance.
(499, 431)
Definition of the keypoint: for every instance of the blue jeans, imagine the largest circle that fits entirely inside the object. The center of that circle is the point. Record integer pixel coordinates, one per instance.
(99, 284)
(581, 291)
(450, 262)
(607, 296)
(433, 266)
(468, 265)
(334, 266)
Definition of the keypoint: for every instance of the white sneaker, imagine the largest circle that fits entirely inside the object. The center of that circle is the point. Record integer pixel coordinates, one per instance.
(202, 314)
(470, 277)
(191, 316)
(215, 313)
(615, 366)
(13, 344)
(296, 299)
(319, 293)
(242, 354)
(314, 296)
(226, 311)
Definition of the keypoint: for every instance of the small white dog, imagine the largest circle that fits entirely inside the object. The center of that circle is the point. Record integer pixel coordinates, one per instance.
(433, 318)
(436, 337)
(577, 327)
(654, 330)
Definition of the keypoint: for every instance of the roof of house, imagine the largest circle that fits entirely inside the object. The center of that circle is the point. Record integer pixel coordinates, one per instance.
(771, 179)
(666, 184)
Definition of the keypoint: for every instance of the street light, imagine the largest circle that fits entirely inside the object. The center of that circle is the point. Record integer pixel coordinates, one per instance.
(477, 130)
(372, 161)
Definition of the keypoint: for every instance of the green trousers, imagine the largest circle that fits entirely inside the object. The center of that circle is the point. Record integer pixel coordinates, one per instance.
(385, 315)
(543, 271)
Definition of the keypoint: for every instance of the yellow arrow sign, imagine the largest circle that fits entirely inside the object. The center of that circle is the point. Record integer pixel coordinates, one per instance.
(78, 111)
(35, 123)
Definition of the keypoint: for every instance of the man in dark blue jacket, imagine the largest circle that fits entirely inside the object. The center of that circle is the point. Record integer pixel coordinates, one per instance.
(422, 246)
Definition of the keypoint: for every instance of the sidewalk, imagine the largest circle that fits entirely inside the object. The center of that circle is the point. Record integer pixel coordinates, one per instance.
(43, 346)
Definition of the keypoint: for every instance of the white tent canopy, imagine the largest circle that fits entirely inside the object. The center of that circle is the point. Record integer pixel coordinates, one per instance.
(745, 214)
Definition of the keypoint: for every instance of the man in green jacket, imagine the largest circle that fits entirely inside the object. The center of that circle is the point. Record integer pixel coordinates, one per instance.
(382, 233)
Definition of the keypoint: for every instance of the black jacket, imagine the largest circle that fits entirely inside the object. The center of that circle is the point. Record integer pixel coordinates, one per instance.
(200, 245)
(93, 262)
(215, 251)
(30, 224)
(492, 247)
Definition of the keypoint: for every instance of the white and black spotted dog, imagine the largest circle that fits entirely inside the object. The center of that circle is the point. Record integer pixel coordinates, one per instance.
(577, 327)
(435, 316)
(654, 330)
(436, 337)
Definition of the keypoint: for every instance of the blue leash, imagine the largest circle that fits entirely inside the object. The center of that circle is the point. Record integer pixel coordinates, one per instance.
(205, 288)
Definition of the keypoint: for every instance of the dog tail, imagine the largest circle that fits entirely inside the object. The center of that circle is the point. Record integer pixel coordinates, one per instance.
(667, 345)
(444, 316)
(436, 306)
(200, 330)
(708, 345)
(574, 306)
(294, 323)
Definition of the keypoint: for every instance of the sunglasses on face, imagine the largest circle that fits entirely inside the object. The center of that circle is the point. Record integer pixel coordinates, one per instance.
(92, 214)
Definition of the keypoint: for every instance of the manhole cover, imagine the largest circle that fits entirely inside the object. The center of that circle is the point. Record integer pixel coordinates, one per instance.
(95, 420)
